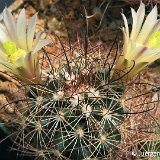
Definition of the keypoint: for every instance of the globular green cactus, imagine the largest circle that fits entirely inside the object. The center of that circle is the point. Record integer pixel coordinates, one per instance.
(75, 114)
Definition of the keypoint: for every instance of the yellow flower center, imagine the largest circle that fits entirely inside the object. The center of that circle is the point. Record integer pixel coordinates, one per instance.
(10, 47)
(12, 51)
(17, 54)
(154, 40)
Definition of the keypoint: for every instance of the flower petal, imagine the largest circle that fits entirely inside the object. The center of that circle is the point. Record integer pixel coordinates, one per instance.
(31, 31)
(125, 45)
(126, 29)
(41, 44)
(154, 29)
(3, 56)
(20, 62)
(3, 34)
(130, 51)
(137, 20)
(37, 38)
(2, 48)
(149, 56)
(9, 67)
(136, 69)
(10, 24)
(148, 25)
(21, 30)
(32, 64)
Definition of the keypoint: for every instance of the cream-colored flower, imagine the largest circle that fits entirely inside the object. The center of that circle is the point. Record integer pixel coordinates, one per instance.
(142, 45)
(19, 46)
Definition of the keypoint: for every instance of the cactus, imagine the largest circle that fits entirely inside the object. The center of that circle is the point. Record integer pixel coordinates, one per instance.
(74, 114)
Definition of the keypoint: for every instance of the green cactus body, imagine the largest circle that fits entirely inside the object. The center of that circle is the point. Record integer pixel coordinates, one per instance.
(73, 117)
